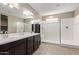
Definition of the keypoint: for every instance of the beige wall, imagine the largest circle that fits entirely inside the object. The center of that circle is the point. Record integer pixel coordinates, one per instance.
(61, 16)
(76, 12)
(13, 26)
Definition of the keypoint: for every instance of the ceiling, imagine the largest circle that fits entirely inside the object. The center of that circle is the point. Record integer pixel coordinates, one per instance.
(18, 12)
(53, 8)
(42, 8)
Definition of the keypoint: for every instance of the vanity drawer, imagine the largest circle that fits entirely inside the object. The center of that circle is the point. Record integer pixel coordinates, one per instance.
(11, 44)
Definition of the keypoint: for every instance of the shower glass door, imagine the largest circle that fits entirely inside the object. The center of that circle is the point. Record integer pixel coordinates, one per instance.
(50, 31)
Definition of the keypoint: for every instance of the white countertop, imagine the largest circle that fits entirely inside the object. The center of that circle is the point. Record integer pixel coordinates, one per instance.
(7, 38)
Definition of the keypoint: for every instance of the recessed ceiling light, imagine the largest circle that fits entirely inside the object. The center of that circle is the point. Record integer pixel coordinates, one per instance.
(27, 13)
(11, 6)
(16, 5)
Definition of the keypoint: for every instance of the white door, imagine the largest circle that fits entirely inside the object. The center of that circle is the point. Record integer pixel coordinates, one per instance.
(67, 31)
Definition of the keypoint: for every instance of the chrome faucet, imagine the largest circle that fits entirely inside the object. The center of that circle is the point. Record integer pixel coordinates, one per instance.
(5, 34)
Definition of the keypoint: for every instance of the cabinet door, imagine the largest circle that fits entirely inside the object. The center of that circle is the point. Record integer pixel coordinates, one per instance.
(35, 43)
(29, 45)
(19, 49)
(29, 51)
(39, 40)
(29, 42)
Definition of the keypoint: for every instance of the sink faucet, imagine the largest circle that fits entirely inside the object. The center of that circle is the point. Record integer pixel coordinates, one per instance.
(5, 34)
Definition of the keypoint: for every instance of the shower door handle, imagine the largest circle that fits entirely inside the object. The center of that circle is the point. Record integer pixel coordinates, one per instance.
(67, 27)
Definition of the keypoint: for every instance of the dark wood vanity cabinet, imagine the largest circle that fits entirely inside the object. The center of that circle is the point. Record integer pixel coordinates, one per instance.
(25, 46)
(13, 48)
(29, 45)
(37, 41)
(20, 49)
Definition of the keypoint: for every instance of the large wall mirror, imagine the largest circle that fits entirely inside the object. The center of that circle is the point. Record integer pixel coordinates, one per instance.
(13, 19)
(13, 24)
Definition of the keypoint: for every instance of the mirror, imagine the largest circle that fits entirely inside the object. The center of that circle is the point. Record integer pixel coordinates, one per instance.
(28, 25)
(14, 20)
(13, 24)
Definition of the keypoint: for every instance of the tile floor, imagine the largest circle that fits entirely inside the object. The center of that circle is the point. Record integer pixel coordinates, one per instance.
(52, 49)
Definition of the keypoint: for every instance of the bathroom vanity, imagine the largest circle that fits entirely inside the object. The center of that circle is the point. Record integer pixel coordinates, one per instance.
(20, 44)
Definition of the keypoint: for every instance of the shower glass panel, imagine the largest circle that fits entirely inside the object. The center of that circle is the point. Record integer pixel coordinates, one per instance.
(50, 31)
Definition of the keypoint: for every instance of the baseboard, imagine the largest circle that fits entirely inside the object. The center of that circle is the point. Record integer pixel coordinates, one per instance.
(69, 46)
(62, 45)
